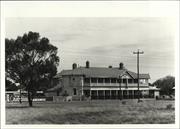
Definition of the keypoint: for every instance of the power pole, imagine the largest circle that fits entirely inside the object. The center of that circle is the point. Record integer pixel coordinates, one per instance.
(138, 52)
(120, 91)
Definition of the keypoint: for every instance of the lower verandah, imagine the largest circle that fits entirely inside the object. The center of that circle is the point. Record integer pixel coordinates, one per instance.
(116, 94)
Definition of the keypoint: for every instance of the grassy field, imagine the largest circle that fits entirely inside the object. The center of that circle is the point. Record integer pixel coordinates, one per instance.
(93, 112)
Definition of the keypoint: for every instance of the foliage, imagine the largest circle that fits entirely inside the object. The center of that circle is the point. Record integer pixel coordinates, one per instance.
(169, 106)
(165, 84)
(31, 61)
(10, 86)
(124, 102)
(150, 84)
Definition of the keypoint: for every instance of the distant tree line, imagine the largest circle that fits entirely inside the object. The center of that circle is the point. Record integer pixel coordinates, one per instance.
(31, 62)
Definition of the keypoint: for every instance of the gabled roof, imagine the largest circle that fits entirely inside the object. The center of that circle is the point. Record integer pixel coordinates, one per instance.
(134, 75)
(100, 72)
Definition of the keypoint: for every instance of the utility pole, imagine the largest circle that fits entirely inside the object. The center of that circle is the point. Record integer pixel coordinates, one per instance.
(82, 88)
(138, 52)
(120, 91)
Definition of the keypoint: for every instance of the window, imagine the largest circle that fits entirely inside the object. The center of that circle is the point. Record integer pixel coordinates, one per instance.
(100, 80)
(135, 80)
(74, 91)
(130, 80)
(94, 80)
(113, 80)
(87, 80)
(119, 81)
(107, 80)
(124, 80)
(73, 79)
(142, 81)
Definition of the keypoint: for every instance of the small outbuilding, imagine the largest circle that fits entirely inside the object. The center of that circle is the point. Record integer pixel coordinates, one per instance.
(154, 92)
(54, 91)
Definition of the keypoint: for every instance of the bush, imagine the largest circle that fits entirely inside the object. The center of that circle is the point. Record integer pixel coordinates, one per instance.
(124, 102)
(49, 98)
(169, 106)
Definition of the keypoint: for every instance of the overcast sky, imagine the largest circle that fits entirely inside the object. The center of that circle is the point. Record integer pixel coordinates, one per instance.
(106, 41)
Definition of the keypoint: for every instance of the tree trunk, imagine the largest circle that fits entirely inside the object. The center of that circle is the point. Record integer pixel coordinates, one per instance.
(20, 97)
(30, 99)
(30, 103)
(20, 100)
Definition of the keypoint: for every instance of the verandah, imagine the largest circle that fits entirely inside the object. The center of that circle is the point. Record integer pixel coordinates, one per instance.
(112, 94)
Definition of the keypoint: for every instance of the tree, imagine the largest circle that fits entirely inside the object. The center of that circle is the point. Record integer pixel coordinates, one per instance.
(165, 84)
(10, 86)
(31, 61)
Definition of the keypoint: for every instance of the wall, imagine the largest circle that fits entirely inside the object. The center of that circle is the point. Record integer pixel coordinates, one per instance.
(70, 82)
(156, 93)
(75, 81)
(50, 94)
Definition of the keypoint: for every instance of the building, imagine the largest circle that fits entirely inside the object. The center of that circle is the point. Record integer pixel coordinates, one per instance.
(54, 91)
(154, 92)
(103, 82)
(15, 96)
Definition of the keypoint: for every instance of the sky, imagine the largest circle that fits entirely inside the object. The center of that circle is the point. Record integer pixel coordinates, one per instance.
(106, 41)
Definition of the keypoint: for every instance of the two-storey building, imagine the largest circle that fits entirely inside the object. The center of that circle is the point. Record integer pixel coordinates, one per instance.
(102, 82)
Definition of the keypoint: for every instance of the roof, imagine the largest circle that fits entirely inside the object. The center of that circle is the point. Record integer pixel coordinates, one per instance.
(153, 88)
(56, 88)
(100, 72)
(143, 75)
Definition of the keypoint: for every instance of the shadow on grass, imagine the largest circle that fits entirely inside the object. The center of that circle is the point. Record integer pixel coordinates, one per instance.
(11, 107)
(22, 106)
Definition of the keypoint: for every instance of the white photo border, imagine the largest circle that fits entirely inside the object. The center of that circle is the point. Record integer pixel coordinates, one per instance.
(38, 9)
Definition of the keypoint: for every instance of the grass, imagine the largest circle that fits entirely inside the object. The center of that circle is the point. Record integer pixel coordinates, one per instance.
(94, 112)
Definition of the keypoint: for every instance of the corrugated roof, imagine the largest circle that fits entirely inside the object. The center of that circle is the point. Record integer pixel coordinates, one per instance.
(100, 72)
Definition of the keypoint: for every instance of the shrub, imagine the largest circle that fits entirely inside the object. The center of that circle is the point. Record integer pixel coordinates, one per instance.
(140, 101)
(123, 102)
(169, 106)
(49, 98)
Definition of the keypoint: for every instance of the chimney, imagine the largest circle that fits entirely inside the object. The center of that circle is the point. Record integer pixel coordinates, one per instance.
(121, 66)
(74, 66)
(110, 66)
(87, 64)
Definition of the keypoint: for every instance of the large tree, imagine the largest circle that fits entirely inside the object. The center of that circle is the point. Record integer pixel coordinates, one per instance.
(10, 86)
(165, 84)
(31, 61)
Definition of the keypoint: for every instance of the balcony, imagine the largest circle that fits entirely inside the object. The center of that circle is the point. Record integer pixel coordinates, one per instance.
(114, 84)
